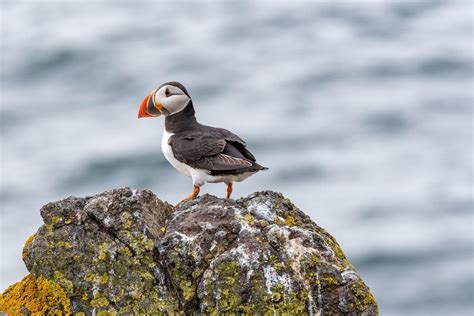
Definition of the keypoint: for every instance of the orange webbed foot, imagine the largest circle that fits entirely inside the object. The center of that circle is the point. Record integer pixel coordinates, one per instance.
(193, 194)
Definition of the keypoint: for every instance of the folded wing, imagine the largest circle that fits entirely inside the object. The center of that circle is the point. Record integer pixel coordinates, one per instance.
(219, 150)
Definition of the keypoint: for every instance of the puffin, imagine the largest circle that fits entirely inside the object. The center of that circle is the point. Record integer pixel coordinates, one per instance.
(204, 153)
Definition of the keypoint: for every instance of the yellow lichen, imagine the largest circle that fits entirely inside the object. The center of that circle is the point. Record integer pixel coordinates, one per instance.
(27, 244)
(56, 219)
(106, 313)
(39, 296)
(279, 221)
(290, 221)
(103, 249)
(89, 277)
(327, 281)
(249, 218)
(85, 296)
(65, 244)
(104, 278)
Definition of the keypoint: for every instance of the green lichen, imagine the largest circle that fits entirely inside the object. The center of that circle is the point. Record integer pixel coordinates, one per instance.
(314, 259)
(126, 220)
(65, 283)
(228, 267)
(99, 301)
(227, 288)
(278, 292)
(148, 243)
(125, 250)
(104, 278)
(276, 263)
(364, 299)
(338, 253)
(293, 304)
(139, 243)
(228, 300)
(131, 272)
(188, 289)
(49, 229)
(106, 313)
(90, 277)
(55, 220)
(331, 281)
(64, 244)
(103, 250)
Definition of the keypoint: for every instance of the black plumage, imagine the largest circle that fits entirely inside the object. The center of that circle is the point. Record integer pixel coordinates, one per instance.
(214, 149)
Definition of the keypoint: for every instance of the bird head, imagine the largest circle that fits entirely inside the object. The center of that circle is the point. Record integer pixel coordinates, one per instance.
(167, 99)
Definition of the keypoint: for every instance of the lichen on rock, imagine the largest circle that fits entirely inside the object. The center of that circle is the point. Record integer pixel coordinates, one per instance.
(35, 296)
(126, 252)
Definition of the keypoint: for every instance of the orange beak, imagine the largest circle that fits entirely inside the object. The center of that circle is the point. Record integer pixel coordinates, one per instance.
(148, 105)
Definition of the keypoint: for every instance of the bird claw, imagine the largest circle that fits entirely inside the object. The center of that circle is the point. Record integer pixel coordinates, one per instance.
(183, 200)
(191, 196)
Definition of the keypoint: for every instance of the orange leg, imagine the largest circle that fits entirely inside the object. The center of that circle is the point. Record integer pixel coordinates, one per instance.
(192, 195)
(229, 189)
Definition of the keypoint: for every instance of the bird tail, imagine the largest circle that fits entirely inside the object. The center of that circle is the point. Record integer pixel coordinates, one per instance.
(257, 167)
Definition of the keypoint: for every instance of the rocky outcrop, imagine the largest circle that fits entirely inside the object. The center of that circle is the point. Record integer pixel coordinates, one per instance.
(126, 252)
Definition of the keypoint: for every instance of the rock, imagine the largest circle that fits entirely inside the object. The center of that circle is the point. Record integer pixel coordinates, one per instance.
(126, 252)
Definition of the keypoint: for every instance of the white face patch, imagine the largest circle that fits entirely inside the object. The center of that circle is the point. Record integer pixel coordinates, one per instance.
(172, 98)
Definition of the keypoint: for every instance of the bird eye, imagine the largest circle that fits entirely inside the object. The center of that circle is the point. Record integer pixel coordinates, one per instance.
(167, 92)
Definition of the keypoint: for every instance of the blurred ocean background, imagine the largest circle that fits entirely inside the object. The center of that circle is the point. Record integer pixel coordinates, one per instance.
(362, 110)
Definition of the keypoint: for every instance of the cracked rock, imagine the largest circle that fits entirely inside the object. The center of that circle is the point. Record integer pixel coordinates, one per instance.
(126, 252)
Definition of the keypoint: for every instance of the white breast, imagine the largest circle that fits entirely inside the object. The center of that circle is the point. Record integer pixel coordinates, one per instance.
(168, 153)
(199, 176)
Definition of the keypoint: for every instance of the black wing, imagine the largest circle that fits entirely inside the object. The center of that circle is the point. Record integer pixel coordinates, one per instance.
(235, 145)
(215, 150)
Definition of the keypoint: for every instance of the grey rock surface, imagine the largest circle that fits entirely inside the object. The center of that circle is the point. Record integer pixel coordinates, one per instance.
(125, 251)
